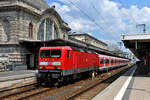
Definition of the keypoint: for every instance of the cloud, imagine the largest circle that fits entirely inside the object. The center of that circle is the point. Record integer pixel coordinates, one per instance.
(109, 41)
(80, 21)
(110, 17)
(81, 24)
(76, 22)
(61, 8)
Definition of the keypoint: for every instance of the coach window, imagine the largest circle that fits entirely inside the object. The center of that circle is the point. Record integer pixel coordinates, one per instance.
(101, 61)
(107, 61)
(68, 53)
(112, 61)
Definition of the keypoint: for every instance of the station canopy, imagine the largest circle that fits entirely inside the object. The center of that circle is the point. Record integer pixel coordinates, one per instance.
(139, 44)
(60, 42)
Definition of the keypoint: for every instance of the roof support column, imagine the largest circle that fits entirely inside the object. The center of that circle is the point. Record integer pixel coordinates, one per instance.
(136, 45)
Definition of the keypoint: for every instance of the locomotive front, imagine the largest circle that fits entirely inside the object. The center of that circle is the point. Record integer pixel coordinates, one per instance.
(50, 65)
(49, 59)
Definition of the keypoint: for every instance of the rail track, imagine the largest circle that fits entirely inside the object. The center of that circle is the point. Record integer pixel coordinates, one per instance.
(79, 89)
(17, 89)
(94, 86)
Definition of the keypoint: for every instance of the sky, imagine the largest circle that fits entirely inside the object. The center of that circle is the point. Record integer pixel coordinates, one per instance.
(106, 20)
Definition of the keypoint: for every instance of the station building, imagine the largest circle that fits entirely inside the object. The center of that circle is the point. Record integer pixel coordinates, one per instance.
(30, 20)
(89, 39)
(26, 25)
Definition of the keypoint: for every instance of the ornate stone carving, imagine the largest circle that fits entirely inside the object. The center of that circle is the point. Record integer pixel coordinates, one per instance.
(3, 34)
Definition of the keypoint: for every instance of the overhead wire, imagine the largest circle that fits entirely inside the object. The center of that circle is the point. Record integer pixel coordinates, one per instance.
(90, 18)
(129, 14)
(99, 13)
(132, 18)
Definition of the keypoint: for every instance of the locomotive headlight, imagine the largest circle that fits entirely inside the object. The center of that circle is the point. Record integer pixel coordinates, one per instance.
(56, 63)
(40, 67)
(43, 63)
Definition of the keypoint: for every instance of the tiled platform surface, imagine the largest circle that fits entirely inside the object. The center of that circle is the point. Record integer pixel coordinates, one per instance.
(128, 87)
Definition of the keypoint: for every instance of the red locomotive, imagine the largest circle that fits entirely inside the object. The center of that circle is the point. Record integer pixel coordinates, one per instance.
(57, 64)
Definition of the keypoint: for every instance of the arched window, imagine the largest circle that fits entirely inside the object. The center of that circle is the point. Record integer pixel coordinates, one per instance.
(48, 29)
(55, 33)
(30, 30)
(41, 31)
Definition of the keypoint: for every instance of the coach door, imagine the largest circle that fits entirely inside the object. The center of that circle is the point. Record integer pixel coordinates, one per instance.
(104, 62)
(75, 64)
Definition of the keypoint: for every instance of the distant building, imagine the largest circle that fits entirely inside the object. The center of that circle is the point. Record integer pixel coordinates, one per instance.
(30, 20)
(115, 50)
(89, 39)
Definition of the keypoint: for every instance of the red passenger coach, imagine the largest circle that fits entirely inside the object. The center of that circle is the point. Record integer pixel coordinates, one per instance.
(107, 62)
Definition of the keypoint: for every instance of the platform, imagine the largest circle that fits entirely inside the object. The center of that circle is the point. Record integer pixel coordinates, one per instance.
(12, 77)
(12, 73)
(133, 85)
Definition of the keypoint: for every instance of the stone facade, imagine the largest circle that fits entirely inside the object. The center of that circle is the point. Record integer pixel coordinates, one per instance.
(90, 40)
(31, 20)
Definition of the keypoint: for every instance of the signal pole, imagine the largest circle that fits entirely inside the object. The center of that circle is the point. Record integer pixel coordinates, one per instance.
(140, 26)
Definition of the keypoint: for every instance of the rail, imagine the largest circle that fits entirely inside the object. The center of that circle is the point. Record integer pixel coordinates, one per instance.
(65, 92)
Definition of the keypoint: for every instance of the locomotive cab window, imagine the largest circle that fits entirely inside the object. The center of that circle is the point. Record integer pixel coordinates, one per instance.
(68, 53)
(55, 53)
(45, 54)
(50, 54)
